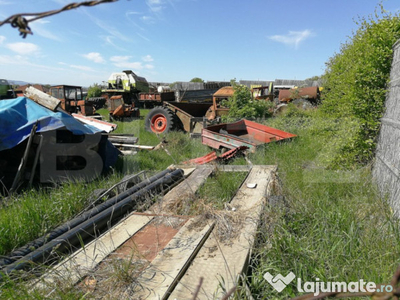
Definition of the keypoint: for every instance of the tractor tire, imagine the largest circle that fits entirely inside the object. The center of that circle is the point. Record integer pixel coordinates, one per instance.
(160, 120)
(97, 102)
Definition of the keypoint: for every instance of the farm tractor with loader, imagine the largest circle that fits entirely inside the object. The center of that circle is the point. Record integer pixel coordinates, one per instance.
(126, 92)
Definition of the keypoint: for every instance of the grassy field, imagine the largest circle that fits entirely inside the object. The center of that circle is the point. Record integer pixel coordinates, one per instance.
(332, 225)
(323, 223)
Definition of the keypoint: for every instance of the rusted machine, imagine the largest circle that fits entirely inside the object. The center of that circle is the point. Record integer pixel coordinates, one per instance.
(310, 93)
(263, 92)
(191, 117)
(72, 99)
(119, 110)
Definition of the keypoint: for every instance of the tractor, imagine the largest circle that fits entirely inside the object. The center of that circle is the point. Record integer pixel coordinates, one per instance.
(72, 100)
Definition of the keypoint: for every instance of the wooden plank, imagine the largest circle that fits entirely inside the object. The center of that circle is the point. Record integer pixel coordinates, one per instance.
(186, 189)
(42, 98)
(139, 147)
(220, 263)
(234, 168)
(157, 281)
(78, 265)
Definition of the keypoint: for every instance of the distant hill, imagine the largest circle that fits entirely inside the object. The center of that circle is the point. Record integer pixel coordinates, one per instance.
(17, 82)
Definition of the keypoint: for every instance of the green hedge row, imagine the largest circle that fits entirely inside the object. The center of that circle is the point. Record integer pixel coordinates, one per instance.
(356, 82)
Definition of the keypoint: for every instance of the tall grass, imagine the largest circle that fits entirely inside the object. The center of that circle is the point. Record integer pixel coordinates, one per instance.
(34, 212)
(335, 226)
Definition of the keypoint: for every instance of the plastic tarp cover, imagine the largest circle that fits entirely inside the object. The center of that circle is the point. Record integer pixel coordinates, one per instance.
(18, 116)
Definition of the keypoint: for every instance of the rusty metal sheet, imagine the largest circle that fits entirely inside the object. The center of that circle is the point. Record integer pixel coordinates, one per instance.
(311, 93)
(202, 160)
(241, 133)
(212, 156)
(224, 92)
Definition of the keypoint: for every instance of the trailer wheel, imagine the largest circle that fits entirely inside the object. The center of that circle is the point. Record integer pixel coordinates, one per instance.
(160, 120)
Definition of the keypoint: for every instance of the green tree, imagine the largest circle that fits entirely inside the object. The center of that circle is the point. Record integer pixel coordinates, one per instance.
(242, 104)
(355, 83)
(197, 79)
(94, 91)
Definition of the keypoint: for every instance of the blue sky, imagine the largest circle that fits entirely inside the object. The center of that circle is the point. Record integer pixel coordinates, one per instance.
(176, 40)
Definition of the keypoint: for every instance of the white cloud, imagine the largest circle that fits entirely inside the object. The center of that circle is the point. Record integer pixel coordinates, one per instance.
(293, 38)
(18, 60)
(23, 48)
(83, 68)
(123, 62)
(95, 57)
(128, 13)
(155, 6)
(2, 39)
(149, 67)
(7, 60)
(147, 58)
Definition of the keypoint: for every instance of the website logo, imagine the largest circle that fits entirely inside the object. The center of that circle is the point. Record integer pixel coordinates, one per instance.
(279, 282)
(316, 287)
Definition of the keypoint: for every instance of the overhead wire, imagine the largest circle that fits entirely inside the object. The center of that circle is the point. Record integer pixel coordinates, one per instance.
(21, 21)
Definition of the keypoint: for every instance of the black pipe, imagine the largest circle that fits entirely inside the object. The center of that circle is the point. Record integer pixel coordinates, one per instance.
(90, 227)
(25, 250)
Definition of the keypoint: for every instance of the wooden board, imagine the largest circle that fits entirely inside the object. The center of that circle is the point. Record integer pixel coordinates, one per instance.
(83, 261)
(234, 168)
(164, 271)
(186, 189)
(220, 263)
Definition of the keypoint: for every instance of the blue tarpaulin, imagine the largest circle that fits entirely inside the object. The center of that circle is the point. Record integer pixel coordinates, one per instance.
(18, 116)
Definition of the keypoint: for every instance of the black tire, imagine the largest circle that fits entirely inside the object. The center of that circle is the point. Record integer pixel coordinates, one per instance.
(160, 120)
(97, 102)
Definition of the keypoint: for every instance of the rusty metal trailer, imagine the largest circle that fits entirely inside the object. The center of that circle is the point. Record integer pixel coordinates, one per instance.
(177, 115)
(155, 98)
(242, 133)
(191, 117)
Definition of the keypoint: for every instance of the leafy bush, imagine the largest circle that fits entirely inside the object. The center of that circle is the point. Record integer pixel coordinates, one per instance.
(197, 79)
(94, 91)
(242, 105)
(355, 84)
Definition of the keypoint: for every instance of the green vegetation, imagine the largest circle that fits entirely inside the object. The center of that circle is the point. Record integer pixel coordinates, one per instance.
(242, 105)
(216, 192)
(94, 91)
(325, 224)
(197, 79)
(355, 85)
(36, 211)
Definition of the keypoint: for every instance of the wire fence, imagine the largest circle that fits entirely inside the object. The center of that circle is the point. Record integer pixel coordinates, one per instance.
(21, 22)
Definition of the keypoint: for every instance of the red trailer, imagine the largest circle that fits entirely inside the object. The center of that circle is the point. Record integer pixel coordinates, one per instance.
(241, 133)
